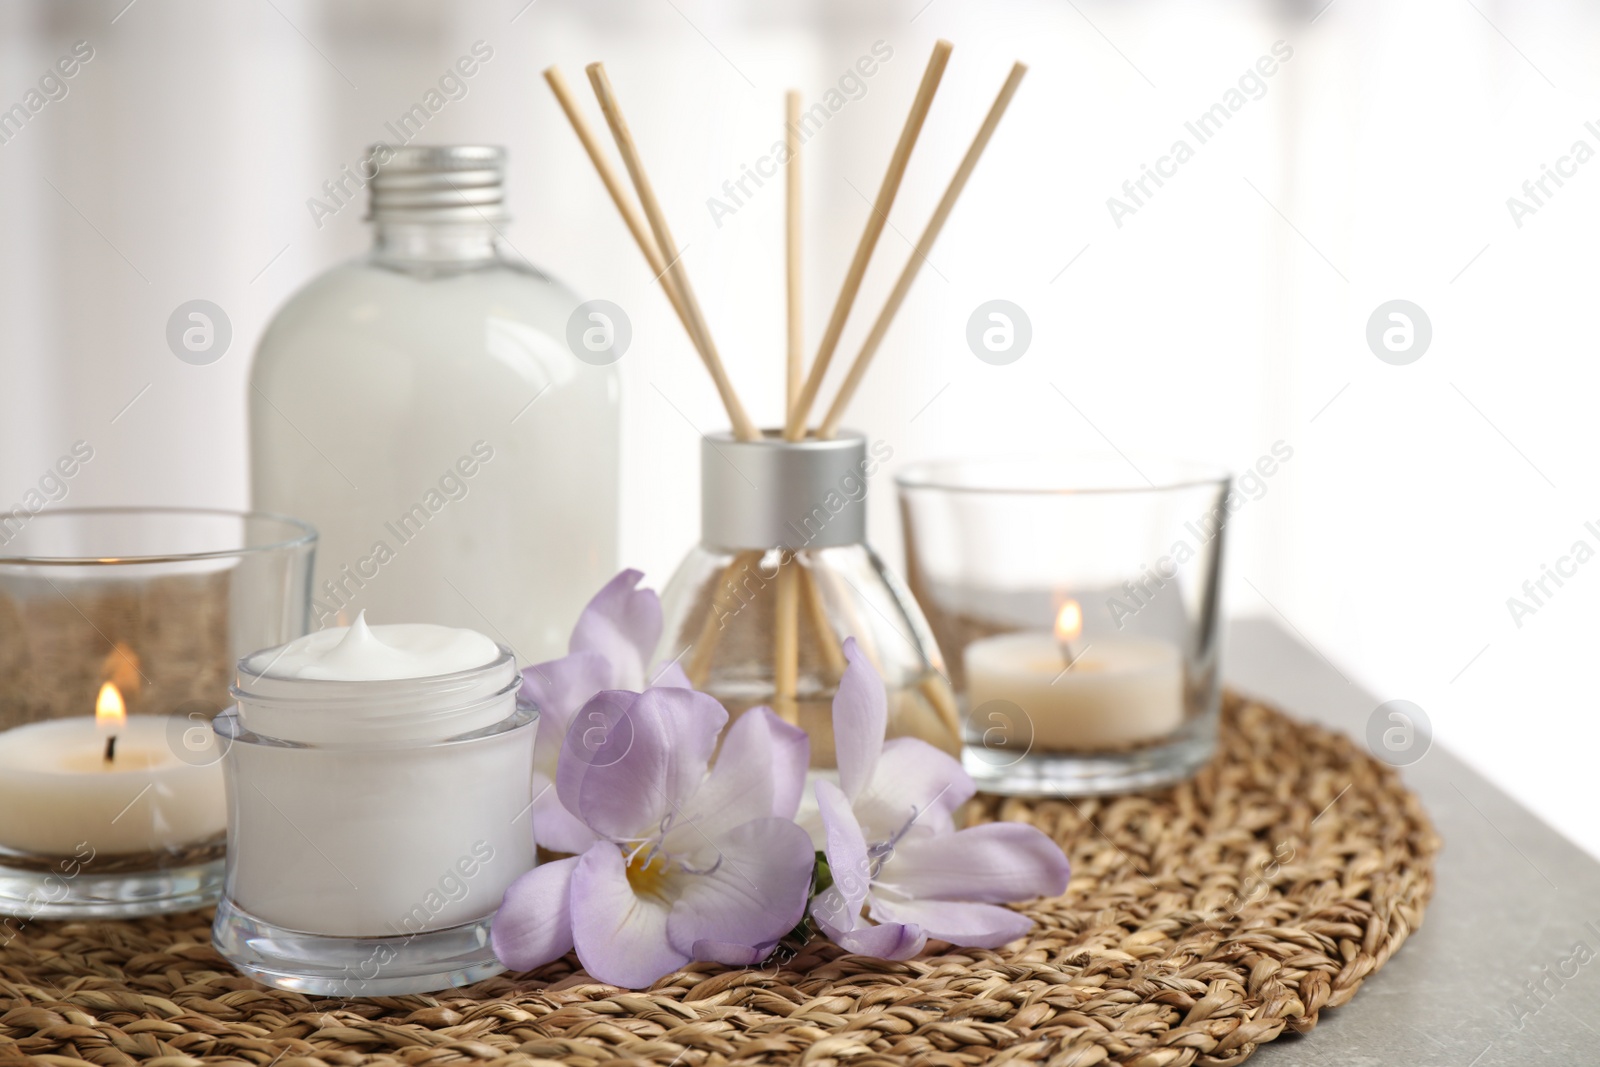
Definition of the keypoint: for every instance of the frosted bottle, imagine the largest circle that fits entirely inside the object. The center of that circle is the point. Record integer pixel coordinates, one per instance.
(421, 407)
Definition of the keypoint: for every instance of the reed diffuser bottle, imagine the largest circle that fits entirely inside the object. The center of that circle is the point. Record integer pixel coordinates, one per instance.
(758, 612)
(420, 407)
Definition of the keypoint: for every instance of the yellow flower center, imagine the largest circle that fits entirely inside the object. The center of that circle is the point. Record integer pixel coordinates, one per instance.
(647, 873)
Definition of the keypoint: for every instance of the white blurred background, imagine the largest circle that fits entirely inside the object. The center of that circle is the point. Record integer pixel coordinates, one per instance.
(1227, 313)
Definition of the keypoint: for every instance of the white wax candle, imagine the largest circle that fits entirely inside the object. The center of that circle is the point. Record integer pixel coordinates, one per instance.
(1119, 691)
(57, 790)
(373, 822)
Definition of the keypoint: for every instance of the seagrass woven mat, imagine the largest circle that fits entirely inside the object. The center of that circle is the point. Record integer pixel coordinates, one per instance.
(1202, 921)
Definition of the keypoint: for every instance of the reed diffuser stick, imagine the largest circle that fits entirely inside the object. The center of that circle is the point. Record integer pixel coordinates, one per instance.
(786, 641)
(794, 369)
(795, 428)
(817, 612)
(723, 596)
(613, 183)
(743, 428)
(919, 255)
(786, 624)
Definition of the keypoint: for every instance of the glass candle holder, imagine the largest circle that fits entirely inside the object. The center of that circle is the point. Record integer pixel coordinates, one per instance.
(373, 826)
(118, 631)
(758, 612)
(1076, 602)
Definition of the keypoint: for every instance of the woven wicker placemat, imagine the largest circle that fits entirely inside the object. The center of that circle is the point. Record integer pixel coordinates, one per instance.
(1202, 920)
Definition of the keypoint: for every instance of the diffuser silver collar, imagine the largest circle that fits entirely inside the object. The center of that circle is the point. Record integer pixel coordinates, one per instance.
(774, 493)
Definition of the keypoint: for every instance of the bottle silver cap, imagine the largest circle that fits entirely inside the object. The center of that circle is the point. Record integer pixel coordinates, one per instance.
(438, 183)
(774, 493)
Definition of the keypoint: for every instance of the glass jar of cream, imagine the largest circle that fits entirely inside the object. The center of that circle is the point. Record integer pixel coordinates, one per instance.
(378, 800)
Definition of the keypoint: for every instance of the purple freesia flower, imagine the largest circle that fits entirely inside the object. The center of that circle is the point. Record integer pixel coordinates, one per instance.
(892, 847)
(684, 864)
(610, 648)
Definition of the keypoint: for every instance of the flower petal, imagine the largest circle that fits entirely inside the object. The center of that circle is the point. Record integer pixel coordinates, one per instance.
(860, 716)
(630, 759)
(974, 925)
(621, 936)
(606, 729)
(885, 941)
(560, 687)
(751, 893)
(837, 909)
(554, 827)
(623, 624)
(807, 815)
(760, 770)
(993, 863)
(912, 778)
(789, 760)
(534, 923)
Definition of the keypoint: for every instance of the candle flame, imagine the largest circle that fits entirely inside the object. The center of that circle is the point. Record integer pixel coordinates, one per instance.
(121, 666)
(1069, 622)
(109, 711)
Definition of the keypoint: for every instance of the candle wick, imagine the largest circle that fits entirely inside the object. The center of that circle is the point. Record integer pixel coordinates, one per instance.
(111, 748)
(1068, 657)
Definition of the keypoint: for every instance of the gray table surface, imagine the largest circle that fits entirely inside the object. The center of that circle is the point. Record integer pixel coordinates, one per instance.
(1516, 906)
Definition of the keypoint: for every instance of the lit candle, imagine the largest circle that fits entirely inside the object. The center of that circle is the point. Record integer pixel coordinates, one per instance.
(1109, 693)
(113, 781)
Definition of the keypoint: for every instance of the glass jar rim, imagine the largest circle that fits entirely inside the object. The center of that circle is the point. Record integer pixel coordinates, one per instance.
(1146, 474)
(297, 533)
(229, 724)
(317, 711)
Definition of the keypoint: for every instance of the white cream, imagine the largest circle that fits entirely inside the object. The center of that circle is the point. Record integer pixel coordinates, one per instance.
(362, 653)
